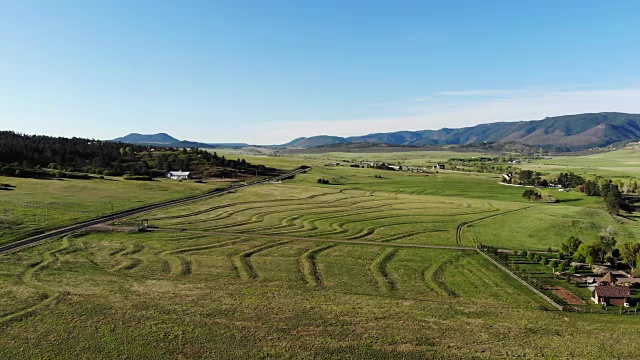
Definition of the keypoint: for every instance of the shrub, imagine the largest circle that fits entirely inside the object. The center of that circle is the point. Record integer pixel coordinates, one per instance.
(137, 177)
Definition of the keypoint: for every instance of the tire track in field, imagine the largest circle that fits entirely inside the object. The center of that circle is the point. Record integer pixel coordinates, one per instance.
(338, 241)
(351, 202)
(29, 278)
(437, 277)
(288, 208)
(314, 209)
(464, 224)
(379, 272)
(129, 262)
(242, 263)
(180, 265)
(308, 263)
(309, 225)
(213, 208)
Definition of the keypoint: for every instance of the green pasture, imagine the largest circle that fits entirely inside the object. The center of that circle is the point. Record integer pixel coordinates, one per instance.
(158, 295)
(401, 208)
(544, 226)
(619, 163)
(35, 205)
(408, 158)
(265, 158)
(334, 213)
(299, 270)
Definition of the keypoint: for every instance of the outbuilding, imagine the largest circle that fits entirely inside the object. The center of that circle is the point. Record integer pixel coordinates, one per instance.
(178, 175)
(611, 295)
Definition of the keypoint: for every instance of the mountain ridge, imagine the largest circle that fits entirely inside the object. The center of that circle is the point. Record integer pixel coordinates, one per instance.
(166, 140)
(573, 132)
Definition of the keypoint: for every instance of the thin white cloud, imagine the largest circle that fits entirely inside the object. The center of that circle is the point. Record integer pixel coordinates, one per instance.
(481, 92)
(499, 105)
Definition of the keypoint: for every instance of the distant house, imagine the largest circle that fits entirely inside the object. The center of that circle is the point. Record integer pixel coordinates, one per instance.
(394, 167)
(507, 177)
(438, 166)
(178, 175)
(611, 295)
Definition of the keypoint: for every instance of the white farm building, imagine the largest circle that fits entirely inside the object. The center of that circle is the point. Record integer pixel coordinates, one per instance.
(178, 175)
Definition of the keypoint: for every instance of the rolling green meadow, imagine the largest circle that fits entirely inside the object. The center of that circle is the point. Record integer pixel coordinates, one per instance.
(376, 264)
(619, 163)
(37, 205)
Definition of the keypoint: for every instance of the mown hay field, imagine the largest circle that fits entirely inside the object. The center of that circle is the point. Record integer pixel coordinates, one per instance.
(36, 205)
(302, 270)
(156, 295)
(619, 163)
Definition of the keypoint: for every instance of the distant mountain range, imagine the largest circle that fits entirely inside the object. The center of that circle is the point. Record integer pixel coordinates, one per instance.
(166, 140)
(569, 132)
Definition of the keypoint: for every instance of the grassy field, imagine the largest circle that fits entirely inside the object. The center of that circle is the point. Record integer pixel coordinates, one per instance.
(409, 158)
(619, 163)
(154, 295)
(303, 270)
(406, 158)
(347, 215)
(36, 205)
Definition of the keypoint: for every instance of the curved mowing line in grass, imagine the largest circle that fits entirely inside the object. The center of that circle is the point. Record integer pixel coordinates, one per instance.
(118, 251)
(462, 225)
(438, 274)
(175, 263)
(270, 209)
(128, 262)
(378, 269)
(367, 231)
(427, 276)
(242, 264)
(29, 279)
(309, 265)
(311, 209)
(309, 225)
(213, 208)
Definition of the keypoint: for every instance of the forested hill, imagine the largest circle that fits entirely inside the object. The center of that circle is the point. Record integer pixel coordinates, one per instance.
(561, 133)
(160, 139)
(43, 156)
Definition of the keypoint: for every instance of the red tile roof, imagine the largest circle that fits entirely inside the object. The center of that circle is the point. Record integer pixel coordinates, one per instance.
(612, 291)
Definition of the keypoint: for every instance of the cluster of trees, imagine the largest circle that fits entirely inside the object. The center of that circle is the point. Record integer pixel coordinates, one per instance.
(559, 263)
(569, 180)
(45, 156)
(323, 181)
(603, 250)
(531, 195)
(609, 191)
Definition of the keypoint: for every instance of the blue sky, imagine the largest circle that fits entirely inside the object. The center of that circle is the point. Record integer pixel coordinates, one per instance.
(269, 71)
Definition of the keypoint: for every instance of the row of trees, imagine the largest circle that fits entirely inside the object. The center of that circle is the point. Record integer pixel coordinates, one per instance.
(560, 264)
(603, 250)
